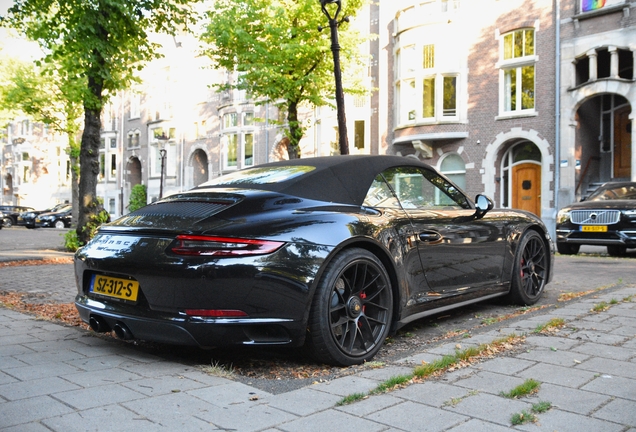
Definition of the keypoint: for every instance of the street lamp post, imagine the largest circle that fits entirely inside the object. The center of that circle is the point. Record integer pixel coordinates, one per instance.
(343, 141)
(162, 153)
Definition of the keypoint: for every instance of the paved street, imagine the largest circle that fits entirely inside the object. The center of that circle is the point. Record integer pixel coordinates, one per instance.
(58, 378)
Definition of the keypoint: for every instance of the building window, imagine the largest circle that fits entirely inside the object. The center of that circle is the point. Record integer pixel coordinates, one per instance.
(248, 150)
(359, 139)
(135, 105)
(248, 119)
(518, 72)
(230, 120)
(230, 159)
(453, 167)
(428, 94)
(113, 166)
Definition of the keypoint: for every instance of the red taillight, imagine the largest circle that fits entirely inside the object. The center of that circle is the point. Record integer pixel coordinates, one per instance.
(222, 246)
(216, 313)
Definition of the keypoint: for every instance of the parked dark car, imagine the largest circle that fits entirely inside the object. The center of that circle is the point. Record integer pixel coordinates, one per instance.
(27, 219)
(605, 218)
(11, 213)
(334, 253)
(61, 218)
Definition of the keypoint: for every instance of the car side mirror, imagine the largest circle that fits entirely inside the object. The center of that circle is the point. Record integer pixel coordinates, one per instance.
(483, 205)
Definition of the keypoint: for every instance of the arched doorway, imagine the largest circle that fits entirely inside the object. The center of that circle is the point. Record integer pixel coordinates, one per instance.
(521, 177)
(603, 142)
(134, 171)
(199, 167)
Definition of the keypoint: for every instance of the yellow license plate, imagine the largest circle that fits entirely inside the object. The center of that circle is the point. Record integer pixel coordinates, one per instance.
(594, 228)
(125, 289)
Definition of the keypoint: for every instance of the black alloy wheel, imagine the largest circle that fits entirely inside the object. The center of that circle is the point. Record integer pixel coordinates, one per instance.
(530, 270)
(352, 310)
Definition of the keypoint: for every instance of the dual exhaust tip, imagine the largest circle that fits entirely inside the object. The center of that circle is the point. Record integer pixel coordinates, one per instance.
(99, 325)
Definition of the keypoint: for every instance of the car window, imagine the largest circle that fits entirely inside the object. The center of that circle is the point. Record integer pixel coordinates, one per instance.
(626, 192)
(414, 188)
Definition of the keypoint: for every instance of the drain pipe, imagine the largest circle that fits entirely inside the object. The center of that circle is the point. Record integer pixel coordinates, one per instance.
(557, 105)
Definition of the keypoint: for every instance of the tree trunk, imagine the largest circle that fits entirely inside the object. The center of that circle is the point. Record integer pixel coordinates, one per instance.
(89, 170)
(296, 131)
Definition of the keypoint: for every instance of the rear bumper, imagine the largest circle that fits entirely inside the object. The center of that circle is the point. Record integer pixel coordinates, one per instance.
(179, 329)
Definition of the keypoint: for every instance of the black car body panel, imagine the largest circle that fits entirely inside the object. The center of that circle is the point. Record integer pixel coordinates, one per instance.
(60, 218)
(606, 218)
(11, 214)
(273, 292)
(27, 218)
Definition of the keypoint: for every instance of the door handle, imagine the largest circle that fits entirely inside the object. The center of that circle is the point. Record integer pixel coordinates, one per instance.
(430, 237)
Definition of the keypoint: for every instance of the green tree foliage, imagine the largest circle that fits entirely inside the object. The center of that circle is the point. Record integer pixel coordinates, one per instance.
(138, 197)
(48, 96)
(280, 55)
(100, 45)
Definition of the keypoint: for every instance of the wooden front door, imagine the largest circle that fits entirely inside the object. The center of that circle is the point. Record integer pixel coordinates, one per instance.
(622, 144)
(526, 187)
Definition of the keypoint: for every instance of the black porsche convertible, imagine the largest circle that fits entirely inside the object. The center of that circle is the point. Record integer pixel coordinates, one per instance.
(332, 253)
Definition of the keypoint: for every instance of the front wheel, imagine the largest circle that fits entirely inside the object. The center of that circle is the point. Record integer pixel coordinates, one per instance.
(7, 222)
(530, 270)
(351, 311)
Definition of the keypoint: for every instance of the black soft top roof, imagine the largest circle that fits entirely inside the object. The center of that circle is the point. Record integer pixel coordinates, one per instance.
(340, 179)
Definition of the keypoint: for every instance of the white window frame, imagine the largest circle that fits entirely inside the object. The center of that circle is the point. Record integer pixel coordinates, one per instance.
(517, 64)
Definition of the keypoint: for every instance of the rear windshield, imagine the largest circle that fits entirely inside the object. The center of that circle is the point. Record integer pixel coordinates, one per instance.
(264, 175)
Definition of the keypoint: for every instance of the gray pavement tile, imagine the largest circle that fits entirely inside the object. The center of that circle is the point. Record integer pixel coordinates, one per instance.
(555, 357)
(162, 385)
(163, 408)
(11, 362)
(569, 399)
(347, 385)
(490, 408)
(28, 427)
(412, 416)
(28, 410)
(19, 338)
(561, 421)
(613, 386)
(305, 401)
(384, 373)
(489, 382)
(619, 411)
(505, 365)
(209, 380)
(475, 425)
(593, 325)
(432, 393)
(155, 369)
(53, 345)
(629, 331)
(622, 321)
(550, 342)
(107, 361)
(229, 394)
(598, 337)
(370, 405)
(101, 377)
(26, 373)
(331, 420)
(38, 358)
(37, 387)
(94, 397)
(610, 367)
(418, 359)
(569, 377)
(605, 351)
(114, 418)
(247, 419)
(14, 350)
(6, 379)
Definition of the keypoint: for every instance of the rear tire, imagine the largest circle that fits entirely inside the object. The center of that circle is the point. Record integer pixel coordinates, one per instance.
(351, 311)
(7, 222)
(530, 270)
(60, 224)
(617, 251)
(568, 249)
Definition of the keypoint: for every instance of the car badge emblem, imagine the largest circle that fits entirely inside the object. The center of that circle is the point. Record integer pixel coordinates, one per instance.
(593, 216)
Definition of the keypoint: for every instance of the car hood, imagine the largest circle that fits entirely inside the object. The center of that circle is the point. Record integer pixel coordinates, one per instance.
(602, 205)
